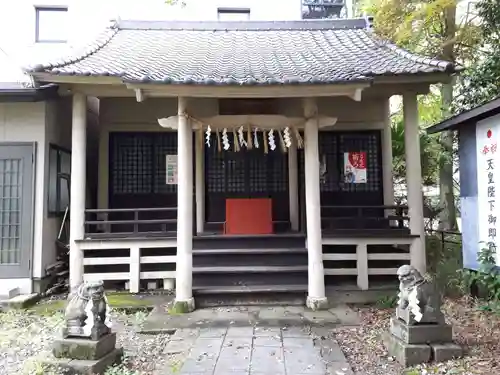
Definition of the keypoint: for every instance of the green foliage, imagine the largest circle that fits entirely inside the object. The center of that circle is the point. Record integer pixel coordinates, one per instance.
(480, 82)
(487, 279)
(421, 26)
(123, 368)
(387, 302)
(430, 112)
(445, 264)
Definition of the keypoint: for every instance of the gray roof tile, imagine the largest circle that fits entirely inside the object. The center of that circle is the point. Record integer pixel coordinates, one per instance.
(242, 53)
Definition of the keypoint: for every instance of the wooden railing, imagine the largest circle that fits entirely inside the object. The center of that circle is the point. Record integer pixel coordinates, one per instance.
(364, 217)
(130, 221)
(132, 258)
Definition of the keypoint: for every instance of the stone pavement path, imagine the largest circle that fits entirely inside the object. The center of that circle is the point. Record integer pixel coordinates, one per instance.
(255, 350)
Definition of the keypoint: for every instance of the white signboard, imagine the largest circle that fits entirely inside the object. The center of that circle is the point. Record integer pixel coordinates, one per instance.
(171, 165)
(488, 183)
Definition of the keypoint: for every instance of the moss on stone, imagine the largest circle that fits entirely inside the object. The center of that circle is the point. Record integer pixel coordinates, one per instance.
(179, 307)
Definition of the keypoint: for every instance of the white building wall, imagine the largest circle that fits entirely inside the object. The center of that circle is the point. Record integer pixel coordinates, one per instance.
(86, 19)
(25, 122)
(36, 122)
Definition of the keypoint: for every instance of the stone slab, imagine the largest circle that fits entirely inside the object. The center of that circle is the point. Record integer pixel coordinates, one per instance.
(74, 348)
(22, 301)
(345, 315)
(14, 292)
(331, 351)
(273, 341)
(178, 346)
(267, 359)
(87, 367)
(407, 354)
(320, 316)
(339, 368)
(446, 352)
(422, 333)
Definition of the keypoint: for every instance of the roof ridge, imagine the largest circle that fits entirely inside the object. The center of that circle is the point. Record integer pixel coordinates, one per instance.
(448, 66)
(316, 24)
(81, 53)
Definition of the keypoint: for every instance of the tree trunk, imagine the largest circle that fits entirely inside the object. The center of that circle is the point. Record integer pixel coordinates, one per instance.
(448, 213)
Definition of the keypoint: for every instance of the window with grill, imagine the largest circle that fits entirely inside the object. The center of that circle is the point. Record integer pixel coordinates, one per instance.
(59, 179)
(246, 171)
(332, 146)
(138, 162)
(11, 187)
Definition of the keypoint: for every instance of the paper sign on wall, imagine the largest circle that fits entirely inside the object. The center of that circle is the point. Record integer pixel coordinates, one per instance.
(355, 167)
(171, 165)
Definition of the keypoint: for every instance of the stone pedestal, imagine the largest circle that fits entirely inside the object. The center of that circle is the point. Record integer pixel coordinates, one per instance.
(420, 343)
(418, 332)
(87, 345)
(85, 356)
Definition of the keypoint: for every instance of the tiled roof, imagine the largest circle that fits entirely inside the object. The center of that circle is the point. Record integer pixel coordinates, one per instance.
(242, 53)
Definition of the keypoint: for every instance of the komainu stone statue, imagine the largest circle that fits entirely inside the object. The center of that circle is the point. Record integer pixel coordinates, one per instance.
(419, 301)
(87, 312)
(418, 332)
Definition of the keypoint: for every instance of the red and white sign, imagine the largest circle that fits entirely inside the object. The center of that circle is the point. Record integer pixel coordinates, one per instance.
(488, 162)
(355, 167)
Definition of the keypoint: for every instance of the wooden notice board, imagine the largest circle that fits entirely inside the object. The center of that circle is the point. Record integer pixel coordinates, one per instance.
(249, 216)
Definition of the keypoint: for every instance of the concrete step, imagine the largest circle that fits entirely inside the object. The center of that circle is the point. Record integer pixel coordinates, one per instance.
(250, 260)
(248, 242)
(251, 299)
(241, 289)
(258, 279)
(253, 251)
(250, 269)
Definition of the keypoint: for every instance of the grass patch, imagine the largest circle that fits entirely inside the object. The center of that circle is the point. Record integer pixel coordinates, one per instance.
(119, 301)
(48, 308)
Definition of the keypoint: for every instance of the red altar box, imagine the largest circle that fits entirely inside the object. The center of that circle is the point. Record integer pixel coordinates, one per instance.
(249, 216)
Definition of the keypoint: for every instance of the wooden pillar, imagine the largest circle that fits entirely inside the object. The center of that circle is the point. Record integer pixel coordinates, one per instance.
(77, 188)
(414, 180)
(200, 182)
(184, 268)
(316, 298)
(387, 167)
(293, 186)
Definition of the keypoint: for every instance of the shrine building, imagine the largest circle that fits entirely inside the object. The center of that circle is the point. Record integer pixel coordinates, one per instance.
(230, 158)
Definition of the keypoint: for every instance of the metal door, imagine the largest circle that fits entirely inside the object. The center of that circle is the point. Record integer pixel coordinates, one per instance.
(16, 209)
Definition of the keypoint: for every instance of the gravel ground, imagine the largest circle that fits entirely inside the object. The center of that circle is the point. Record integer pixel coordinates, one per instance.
(24, 337)
(478, 331)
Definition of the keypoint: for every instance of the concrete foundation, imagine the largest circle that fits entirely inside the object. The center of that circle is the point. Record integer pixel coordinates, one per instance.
(422, 333)
(84, 349)
(422, 343)
(87, 367)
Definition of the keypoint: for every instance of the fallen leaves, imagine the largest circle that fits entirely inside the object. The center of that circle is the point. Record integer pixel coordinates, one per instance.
(478, 331)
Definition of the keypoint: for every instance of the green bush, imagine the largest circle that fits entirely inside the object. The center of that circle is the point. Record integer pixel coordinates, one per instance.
(445, 264)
